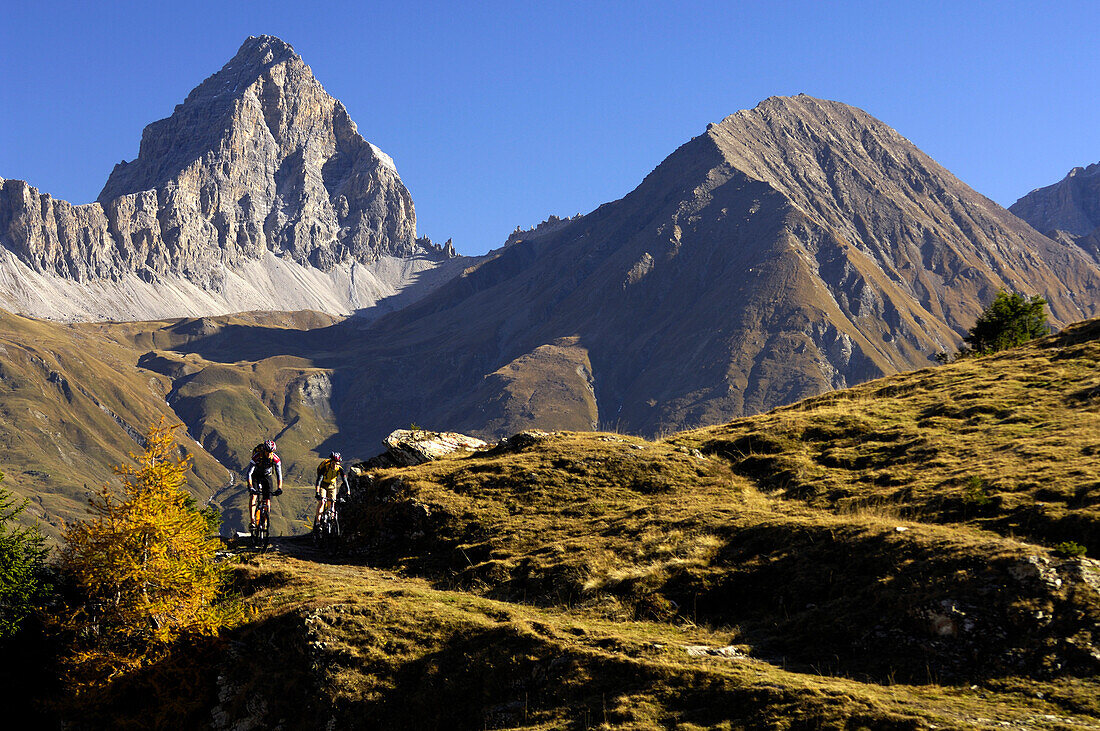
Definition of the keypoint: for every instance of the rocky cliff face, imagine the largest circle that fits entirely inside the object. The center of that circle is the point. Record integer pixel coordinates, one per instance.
(791, 249)
(258, 161)
(1068, 211)
(1071, 205)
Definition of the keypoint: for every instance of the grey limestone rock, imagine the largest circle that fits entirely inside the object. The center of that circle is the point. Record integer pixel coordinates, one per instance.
(416, 446)
(1071, 205)
(259, 158)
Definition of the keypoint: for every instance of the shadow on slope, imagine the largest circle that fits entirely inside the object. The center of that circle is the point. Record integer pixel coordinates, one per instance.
(359, 648)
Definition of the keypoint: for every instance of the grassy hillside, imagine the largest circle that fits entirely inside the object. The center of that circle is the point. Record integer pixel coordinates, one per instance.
(636, 531)
(827, 565)
(341, 646)
(843, 536)
(1009, 443)
(76, 399)
(71, 405)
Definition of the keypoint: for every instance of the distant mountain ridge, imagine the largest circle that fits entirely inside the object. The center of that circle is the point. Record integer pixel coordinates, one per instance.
(258, 192)
(791, 249)
(1067, 211)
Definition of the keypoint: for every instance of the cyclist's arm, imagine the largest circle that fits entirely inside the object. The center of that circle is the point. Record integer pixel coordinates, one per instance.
(248, 474)
(279, 474)
(320, 473)
(347, 487)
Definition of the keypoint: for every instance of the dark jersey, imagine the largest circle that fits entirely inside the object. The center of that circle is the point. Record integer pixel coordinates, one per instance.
(265, 463)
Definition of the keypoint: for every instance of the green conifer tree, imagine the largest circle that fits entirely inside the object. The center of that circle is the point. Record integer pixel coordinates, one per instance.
(22, 552)
(1010, 320)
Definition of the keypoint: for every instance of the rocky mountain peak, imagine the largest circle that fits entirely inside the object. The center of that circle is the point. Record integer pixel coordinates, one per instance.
(793, 248)
(264, 49)
(273, 162)
(927, 231)
(265, 100)
(258, 166)
(806, 147)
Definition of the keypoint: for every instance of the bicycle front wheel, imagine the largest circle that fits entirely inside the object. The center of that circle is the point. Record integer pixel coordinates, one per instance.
(260, 536)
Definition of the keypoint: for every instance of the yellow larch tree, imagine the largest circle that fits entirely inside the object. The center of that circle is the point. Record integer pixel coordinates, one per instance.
(142, 571)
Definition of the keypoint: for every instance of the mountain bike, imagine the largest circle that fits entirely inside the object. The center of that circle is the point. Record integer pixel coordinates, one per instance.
(261, 536)
(327, 534)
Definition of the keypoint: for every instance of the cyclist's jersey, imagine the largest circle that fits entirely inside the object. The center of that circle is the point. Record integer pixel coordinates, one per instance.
(328, 472)
(264, 463)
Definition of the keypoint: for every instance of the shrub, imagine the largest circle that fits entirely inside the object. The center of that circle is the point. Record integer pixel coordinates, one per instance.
(1070, 549)
(976, 493)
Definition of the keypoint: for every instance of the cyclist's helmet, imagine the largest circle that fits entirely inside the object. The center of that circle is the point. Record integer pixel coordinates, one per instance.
(335, 456)
(269, 445)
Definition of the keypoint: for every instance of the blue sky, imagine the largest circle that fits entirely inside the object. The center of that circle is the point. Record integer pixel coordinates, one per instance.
(499, 114)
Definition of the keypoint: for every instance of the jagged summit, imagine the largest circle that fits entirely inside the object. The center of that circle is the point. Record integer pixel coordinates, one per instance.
(256, 55)
(198, 125)
(275, 162)
(264, 49)
(258, 165)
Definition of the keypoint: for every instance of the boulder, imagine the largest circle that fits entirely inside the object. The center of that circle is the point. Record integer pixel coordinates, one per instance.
(407, 447)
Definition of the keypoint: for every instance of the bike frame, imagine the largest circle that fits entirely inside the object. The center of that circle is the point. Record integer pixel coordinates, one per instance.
(263, 522)
(328, 526)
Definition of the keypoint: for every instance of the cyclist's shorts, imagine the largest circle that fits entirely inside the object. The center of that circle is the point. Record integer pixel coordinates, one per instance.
(261, 485)
(328, 492)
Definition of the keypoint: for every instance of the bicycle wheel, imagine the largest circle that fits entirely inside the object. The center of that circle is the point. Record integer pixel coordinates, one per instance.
(324, 531)
(260, 535)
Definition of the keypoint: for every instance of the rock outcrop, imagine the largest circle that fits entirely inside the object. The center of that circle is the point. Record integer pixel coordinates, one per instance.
(408, 447)
(258, 164)
(1072, 204)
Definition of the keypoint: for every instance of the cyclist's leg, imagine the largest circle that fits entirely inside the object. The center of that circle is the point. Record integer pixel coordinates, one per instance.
(330, 500)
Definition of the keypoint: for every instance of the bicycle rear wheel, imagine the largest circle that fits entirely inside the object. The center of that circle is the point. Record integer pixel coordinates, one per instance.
(328, 532)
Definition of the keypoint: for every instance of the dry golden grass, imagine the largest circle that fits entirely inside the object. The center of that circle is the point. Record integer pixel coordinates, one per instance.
(839, 546)
(74, 397)
(843, 535)
(1010, 443)
(362, 647)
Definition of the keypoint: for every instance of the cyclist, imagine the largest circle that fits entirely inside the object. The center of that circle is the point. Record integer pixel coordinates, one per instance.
(329, 474)
(264, 464)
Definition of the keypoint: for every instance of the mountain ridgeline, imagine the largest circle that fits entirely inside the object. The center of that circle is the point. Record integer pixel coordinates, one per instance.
(789, 250)
(1068, 211)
